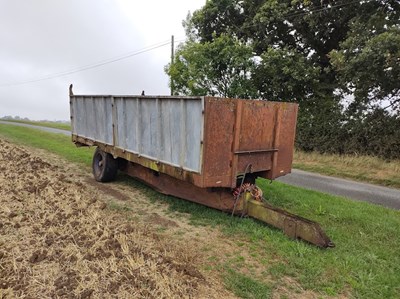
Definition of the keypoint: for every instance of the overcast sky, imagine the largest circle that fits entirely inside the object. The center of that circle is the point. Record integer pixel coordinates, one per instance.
(43, 38)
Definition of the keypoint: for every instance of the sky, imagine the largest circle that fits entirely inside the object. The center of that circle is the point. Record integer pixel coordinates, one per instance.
(63, 40)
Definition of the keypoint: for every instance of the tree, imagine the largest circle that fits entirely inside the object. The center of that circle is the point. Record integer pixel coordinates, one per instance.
(370, 69)
(338, 59)
(285, 75)
(221, 67)
(312, 28)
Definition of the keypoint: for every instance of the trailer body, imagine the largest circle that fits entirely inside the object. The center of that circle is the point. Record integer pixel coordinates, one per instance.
(204, 149)
(205, 141)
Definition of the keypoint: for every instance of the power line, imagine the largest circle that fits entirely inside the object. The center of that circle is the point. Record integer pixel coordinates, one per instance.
(91, 66)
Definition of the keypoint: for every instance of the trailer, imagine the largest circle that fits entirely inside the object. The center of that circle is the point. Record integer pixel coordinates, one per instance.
(207, 150)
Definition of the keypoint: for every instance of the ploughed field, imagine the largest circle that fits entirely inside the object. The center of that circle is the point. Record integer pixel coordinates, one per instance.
(63, 235)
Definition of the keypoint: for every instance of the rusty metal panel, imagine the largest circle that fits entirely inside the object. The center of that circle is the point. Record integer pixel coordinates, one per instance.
(257, 129)
(260, 161)
(259, 135)
(267, 133)
(243, 132)
(285, 139)
(218, 141)
(221, 199)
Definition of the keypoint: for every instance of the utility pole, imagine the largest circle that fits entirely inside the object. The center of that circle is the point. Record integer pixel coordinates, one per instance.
(172, 61)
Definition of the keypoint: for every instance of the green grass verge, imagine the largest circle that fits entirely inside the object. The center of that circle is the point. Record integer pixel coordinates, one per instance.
(364, 264)
(246, 287)
(56, 143)
(49, 124)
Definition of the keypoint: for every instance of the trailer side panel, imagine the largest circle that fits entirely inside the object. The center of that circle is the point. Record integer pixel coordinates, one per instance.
(167, 130)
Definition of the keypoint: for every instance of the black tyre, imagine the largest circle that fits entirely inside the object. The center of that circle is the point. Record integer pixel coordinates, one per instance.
(104, 166)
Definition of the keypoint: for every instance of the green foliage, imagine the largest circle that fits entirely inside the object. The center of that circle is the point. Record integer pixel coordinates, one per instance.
(375, 133)
(371, 68)
(340, 60)
(320, 126)
(217, 68)
(285, 75)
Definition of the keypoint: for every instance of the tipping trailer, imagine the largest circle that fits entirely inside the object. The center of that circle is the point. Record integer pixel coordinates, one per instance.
(204, 149)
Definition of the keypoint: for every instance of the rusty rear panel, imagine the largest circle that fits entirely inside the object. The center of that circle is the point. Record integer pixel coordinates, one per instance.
(285, 140)
(256, 137)
(243, 132)
(258, 122)
(267, 132)
(218, 137)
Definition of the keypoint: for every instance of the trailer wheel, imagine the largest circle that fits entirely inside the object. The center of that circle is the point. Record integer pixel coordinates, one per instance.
(104, 166)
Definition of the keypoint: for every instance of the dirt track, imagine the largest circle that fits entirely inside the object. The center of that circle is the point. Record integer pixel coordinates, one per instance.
(60, 238)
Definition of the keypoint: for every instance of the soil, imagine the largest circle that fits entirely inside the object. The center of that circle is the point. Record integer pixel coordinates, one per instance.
(60, 238)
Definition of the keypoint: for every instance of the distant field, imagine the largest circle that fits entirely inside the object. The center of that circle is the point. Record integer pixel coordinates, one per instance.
(50, 124)
(253, 260)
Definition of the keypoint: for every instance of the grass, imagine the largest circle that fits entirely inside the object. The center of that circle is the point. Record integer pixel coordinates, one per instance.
(246, 287)
(56, 143)
(364, 264)
(50, 124)
(119, 207)
(361, 168)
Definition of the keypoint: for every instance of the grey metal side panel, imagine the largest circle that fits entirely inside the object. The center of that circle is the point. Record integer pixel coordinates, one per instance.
(193, 134)
(148, 128)
(92, 118)
(165, 129)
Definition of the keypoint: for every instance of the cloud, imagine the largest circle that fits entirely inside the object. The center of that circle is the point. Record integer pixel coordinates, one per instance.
(47, 37)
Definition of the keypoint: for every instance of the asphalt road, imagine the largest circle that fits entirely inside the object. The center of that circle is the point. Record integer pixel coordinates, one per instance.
(354, 190)
(384, 196)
